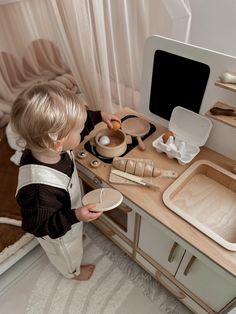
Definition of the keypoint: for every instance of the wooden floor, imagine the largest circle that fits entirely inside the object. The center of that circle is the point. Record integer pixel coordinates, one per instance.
(8, 179)
(8, 205)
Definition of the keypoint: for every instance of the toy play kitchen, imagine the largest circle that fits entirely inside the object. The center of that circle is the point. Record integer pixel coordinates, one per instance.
(177, 216)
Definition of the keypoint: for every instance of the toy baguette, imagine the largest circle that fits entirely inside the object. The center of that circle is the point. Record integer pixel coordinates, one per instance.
(142, 168)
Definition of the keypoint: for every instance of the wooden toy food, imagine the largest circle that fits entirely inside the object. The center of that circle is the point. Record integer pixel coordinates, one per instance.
(142, 168)
(139, 168)
(104, 140)
(221, 111)
(166, 136)
(115, 124)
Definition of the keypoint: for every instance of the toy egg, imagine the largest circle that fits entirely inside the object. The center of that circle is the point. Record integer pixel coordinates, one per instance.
(115, 124)
(166, 136)
(104, 140)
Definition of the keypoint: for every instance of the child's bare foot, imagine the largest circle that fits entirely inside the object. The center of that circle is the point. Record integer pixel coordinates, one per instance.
(86, 272)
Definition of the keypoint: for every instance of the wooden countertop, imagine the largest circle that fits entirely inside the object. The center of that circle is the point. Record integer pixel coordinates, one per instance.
(152, 202)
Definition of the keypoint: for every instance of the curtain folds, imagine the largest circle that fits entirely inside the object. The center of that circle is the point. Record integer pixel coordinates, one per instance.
(100, 42)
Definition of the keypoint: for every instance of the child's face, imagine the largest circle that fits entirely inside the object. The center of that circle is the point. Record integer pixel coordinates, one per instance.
(73, 138)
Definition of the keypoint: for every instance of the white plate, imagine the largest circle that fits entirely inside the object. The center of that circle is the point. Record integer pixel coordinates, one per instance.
(104, 198)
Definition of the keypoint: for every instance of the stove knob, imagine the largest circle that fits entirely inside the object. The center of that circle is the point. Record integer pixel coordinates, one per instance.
(82, 154)
(95, 163)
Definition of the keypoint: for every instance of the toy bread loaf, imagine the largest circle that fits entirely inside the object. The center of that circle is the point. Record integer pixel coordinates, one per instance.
(140, 168)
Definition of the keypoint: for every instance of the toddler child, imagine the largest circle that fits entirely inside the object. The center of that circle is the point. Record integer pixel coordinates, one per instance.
(52, 122)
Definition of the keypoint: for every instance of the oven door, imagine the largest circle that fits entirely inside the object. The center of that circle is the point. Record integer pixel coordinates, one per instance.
(121, 218)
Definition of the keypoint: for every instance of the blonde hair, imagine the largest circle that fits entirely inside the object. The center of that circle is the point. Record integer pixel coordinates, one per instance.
(44, 114)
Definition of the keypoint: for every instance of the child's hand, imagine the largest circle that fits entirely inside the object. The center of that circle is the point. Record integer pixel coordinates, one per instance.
(108, 117)
(85, 213)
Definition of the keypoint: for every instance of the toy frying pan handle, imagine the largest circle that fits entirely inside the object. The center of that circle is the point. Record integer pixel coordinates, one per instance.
(141, 144)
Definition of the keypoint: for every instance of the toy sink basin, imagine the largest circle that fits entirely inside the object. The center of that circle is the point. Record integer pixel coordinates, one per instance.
(205, 196)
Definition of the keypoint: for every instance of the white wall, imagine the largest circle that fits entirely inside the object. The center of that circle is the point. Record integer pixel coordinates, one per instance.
(214, 25)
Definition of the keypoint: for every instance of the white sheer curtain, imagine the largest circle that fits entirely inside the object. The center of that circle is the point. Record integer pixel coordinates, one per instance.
(100, 42)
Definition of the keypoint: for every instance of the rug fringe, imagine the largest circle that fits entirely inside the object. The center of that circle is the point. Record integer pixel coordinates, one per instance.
(13, 248)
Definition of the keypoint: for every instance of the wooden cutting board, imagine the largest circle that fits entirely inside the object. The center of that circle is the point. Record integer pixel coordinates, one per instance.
(116, 179)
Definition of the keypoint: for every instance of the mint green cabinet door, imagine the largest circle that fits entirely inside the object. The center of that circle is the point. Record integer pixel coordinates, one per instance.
(159, 246)
(208, 285)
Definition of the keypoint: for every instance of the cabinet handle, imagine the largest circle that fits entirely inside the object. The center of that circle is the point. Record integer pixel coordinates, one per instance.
(190, 263)
(172, 252)
(179, 294)
(97, 181)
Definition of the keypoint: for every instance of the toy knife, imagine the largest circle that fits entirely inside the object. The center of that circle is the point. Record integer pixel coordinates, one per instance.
(134, 178)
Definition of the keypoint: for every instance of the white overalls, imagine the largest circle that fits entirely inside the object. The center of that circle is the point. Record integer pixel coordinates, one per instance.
(66, 252)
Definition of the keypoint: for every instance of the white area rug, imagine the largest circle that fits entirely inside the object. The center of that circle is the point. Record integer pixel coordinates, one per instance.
(118, 285)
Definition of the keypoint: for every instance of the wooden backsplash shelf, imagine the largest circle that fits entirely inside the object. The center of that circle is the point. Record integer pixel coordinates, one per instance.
(230, 120)
(228, 86)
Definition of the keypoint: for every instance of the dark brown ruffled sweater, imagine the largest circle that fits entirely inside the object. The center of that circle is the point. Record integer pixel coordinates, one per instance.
(46, 210)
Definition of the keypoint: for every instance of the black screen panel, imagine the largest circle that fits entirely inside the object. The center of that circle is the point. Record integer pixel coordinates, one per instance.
(176, 81)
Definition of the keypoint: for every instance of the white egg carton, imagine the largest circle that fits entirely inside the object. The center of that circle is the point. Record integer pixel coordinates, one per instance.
(184, 151)
(191, 131)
